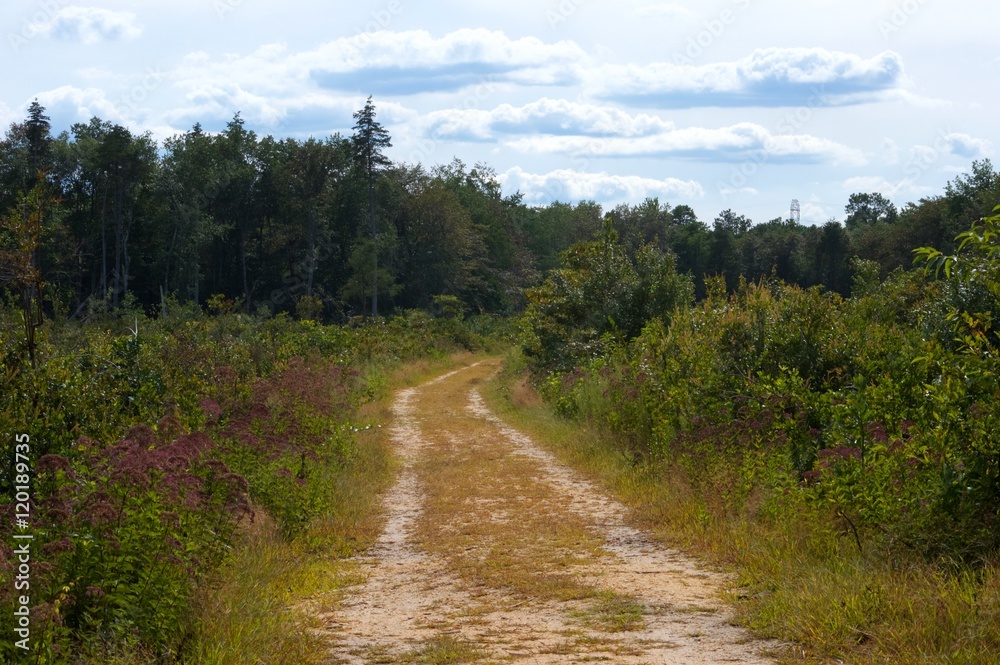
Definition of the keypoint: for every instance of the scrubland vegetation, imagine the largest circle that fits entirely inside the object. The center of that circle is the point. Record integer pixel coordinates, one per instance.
(161, 447)
(804, 405)
(841, 453)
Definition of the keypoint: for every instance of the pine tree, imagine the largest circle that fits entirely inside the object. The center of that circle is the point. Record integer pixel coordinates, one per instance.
(369, 139)
(39, 136)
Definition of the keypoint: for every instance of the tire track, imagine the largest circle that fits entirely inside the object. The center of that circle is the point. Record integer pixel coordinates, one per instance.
(514, 557)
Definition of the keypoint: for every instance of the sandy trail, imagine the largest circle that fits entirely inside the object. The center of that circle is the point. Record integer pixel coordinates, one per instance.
(514, 557)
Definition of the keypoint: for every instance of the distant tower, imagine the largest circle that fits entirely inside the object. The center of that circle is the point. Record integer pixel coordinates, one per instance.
(796, 213)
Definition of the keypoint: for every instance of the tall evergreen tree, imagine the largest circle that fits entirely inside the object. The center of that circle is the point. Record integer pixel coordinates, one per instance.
(38, 131)
(370, 139)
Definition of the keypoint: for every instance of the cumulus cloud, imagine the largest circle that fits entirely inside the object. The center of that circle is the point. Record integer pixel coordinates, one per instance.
(414, 61)
(871, 184)
(814, 213)
(728, 192)
(577, 129)
(269, 86)
(91, 25)
(570, 186)
(273, 81)
(963, 145)
(904, 186)
(545, 116)
(736, 142)
(68, 104)
(767, 77)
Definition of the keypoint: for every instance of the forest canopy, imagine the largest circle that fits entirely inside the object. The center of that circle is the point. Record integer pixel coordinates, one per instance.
(319, 226)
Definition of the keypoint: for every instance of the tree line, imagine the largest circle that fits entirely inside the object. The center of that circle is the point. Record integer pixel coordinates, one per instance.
(331, 228)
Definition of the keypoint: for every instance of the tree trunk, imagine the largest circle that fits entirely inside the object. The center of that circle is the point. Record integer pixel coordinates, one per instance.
(104, 246)
(243, 268)
(118, 245)
(371, 216)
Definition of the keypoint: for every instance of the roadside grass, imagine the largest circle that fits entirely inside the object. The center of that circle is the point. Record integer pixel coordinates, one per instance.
(613, 613)
(443, 650)
(799, 580)
(261, 606)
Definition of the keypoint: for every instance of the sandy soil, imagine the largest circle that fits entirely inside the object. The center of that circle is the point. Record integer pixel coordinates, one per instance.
(420, 604)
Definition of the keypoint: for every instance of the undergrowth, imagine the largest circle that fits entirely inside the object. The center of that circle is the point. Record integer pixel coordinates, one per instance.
(811, 588)
(841, 453)
(164, 450)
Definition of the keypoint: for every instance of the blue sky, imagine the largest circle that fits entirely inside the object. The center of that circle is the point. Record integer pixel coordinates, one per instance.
(740, 104)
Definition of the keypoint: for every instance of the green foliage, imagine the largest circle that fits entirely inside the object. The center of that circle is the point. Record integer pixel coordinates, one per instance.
(600, 297)
(264, 222)
(154, 441)
(309, 308)
(878, 413)
(869, 209)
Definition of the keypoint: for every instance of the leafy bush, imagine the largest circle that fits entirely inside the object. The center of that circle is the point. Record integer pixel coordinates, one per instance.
(600, 297)
(879, 413)
(154, 439)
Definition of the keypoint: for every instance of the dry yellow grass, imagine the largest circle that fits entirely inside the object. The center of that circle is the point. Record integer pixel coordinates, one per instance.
(489, 516)
(495, 552)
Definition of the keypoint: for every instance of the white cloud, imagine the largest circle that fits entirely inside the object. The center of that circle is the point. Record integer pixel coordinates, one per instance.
(418, 48)
(415, 61)
(728, 192)
(814, 213)
(545, 116)
(91, 25)
(7, 116)
(268, 86)
(273, 81)
(905, 186)
(767, 77)
(68, 104)
(741, 141)
(868, 184)
(963, 145)
(406, 62)
(571, 186)
(890, 151)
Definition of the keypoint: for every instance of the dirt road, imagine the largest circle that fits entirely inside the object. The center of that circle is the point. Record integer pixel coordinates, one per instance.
(494, 551)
